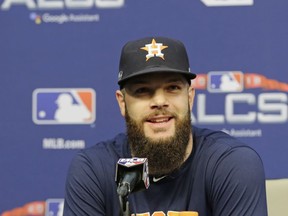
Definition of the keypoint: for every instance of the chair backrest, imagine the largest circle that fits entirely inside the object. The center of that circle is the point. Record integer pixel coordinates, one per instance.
(277, 197)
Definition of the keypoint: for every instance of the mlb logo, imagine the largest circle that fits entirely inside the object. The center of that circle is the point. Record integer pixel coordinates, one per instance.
(225, 81)
(63, 106)
(54, 207)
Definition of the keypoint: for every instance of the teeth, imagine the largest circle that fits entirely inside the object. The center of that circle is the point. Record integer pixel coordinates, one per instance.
(159, 120)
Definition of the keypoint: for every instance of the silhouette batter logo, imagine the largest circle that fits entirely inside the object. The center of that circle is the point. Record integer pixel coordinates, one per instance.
(226, 81)
(63, 106)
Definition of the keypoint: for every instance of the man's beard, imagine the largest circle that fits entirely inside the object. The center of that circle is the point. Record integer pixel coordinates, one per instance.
(164, 154)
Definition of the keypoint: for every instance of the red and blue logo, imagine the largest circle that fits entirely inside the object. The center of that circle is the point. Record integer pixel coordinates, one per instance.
(225, 81)
(130, 162)
(64, 106)
(50, 207)
(236, 81)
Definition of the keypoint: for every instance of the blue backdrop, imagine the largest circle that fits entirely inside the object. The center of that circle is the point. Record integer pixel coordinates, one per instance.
(56, 54)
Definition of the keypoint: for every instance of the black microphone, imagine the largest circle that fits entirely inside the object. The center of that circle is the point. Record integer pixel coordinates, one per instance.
(131, 175)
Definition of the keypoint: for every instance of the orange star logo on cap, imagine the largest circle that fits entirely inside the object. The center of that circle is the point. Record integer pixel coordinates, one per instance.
(154, 49)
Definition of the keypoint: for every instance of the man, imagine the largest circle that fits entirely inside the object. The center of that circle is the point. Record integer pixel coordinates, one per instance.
(192, 171)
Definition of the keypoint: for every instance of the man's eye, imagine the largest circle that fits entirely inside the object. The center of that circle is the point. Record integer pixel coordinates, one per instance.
(174, 88)
(141, 90)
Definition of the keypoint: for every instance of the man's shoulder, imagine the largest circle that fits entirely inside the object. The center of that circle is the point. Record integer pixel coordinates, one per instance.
(219, 151)
(217, 144)
(214, 146)
(102, 155)
(214, 138)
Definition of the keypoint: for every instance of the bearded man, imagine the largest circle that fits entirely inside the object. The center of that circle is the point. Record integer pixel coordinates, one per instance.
(192, 171)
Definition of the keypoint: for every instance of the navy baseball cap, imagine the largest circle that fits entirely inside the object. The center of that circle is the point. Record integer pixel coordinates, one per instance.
(151, 55)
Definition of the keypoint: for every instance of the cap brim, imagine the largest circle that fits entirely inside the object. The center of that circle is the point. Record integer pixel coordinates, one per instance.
(186, 74)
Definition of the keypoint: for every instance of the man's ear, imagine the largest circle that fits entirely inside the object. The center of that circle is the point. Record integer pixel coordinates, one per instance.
(121, 102)
(191, 95)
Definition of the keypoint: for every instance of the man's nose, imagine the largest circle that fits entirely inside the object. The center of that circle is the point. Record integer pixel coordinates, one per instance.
(159, 100)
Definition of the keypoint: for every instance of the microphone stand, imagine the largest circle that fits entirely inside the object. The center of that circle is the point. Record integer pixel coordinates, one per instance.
(124, 206)
(123, 191)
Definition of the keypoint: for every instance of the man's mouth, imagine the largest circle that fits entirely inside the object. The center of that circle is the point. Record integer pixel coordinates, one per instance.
(159, 119)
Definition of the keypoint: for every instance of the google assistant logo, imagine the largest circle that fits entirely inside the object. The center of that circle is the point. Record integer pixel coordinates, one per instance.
(37, 18)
